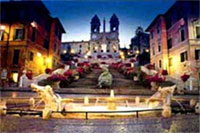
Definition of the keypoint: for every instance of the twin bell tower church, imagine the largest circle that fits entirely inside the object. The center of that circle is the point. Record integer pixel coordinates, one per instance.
(105, 42)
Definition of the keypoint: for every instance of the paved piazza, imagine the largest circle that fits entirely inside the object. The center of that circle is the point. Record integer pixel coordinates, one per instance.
(180, 123)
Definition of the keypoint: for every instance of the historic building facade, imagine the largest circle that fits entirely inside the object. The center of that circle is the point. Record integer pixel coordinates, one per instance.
(140, 42)
(101, 43)
(175, 40)
(30, 38)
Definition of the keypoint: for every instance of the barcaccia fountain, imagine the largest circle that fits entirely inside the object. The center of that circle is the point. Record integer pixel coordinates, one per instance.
(54, 103)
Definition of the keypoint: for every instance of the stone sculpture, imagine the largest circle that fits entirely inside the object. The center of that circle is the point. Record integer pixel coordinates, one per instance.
(162, 98)
(51, 101)
(105, 79)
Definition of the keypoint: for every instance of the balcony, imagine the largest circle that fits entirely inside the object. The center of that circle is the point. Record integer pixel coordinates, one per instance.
(13, 43)
(194, 41)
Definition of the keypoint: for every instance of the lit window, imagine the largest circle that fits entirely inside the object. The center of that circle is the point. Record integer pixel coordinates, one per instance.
(15, 76)
(184, 56)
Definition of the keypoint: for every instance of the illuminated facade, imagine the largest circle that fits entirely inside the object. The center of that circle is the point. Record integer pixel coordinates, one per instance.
(175, 40)
(30, 38)
(100, 43)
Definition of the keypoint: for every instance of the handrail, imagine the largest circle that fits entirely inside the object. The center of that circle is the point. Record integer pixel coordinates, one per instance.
(85, 112)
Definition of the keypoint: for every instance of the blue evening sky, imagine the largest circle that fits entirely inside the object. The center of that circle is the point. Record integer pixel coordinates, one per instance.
(76, 15)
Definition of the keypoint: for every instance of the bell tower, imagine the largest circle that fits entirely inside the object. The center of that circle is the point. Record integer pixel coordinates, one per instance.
(95, 24)
(114, 23)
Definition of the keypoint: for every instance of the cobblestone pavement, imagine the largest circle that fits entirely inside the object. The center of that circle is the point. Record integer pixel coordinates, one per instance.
(179, 123)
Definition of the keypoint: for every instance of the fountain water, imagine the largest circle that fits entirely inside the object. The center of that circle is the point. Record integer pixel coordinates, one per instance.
(53, 102)
(111, 101)
(86, 100)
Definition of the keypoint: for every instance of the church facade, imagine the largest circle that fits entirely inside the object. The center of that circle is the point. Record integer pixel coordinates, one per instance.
(104, 43)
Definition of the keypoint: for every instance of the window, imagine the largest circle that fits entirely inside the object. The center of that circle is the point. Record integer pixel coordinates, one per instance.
(80, 46)
(31, 56)
(182, 34)
(16, 57)
(19, 34)
(158, 28)
(169, 43)
(197, 54)
(2, 36)
(33, 35)
(152, 35)
(21, 14)
(159, 46)
(54, 48)
(170, 61)
(46, 44)
(47, 26)
(168, 22)
(153, 50)
(160, 64)
(184, 56)
(197, 31)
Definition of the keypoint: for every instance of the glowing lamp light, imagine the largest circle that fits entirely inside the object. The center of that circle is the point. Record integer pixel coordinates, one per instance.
(88, 53)
(48, 60)
(147, 50)
(72, 51)
(137, 51)
(86, 100)
(39, 54)
(114, 47)
(112, 95)
(64, 51)
(2, 27)
(15, 77)
(121, 53)
(33, 24)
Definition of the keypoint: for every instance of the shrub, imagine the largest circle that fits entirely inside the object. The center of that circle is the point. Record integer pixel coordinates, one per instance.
(48, 71)
(185, 77)
(56, 77)
(164, 72)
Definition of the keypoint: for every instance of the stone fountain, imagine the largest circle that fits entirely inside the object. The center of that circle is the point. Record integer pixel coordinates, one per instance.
(52, 101)
(162, 98)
